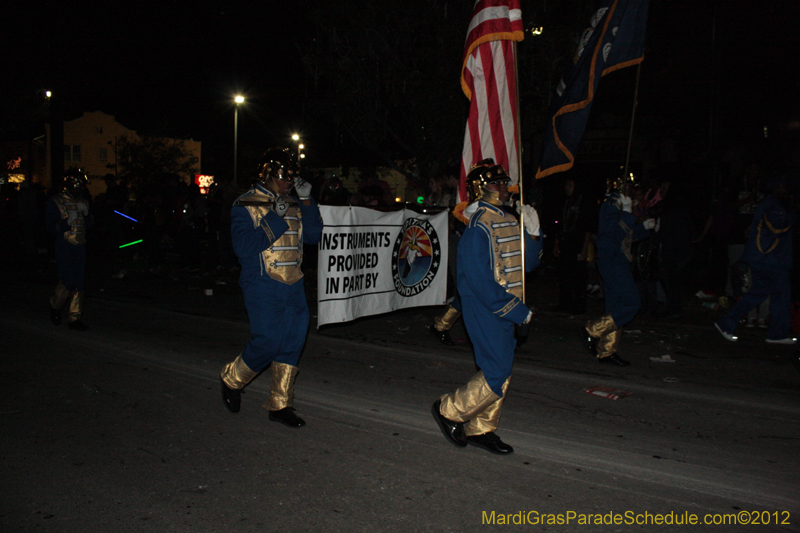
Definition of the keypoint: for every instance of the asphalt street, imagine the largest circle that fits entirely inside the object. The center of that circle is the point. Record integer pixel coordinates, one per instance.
(122, 428)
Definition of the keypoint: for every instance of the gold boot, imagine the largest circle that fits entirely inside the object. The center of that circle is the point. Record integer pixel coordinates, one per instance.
(609, 349)
(75, 312)
(469, 400)
(57, 301)
(443, 323)
(281, 395)
(487, 420)
(234, 376)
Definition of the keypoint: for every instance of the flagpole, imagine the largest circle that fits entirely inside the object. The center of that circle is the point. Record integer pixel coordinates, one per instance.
(519, 168)
(633, 118)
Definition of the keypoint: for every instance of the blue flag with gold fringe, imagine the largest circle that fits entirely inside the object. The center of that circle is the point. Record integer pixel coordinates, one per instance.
(614, 40)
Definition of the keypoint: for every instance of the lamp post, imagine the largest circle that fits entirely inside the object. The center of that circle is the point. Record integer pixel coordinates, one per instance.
(300, 146)
(238, 99)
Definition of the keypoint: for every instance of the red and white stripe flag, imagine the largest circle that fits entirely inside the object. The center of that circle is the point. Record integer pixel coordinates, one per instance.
(488, 79)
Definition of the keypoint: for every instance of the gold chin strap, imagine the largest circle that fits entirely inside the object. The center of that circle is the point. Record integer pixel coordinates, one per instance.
(281, 393)
(76, 306)
(60, 296)
(445, 322)
(488, 419)
(469, 400)
(237, 374)
(491, 197)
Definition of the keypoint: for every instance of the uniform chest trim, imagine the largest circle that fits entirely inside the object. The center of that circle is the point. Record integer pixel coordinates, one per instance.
(511, 254)
(283, 264)
(503, 224)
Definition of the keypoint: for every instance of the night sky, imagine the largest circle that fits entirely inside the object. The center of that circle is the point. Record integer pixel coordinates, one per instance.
(172, 68)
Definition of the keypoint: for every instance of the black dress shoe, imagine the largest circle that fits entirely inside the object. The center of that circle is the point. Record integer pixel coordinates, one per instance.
(287, 417)
(589, 342)
(55, 316)
(232, 398)
(78, 325)
(443, 336)
(491, 443)
(452, 431)
(614, 359)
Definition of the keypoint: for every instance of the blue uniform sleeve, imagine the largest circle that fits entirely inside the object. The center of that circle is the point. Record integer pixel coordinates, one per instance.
(312, 223)
(780, 221)
(630, 220)
(474, 266)
(249, 240)
(533, 252)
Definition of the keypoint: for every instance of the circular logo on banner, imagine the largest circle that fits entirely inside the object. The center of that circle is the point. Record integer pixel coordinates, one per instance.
(416, 257)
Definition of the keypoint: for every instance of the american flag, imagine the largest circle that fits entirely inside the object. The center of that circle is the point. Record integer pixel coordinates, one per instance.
(488, 78)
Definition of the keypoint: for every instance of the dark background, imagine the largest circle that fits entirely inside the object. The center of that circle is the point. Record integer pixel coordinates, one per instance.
(365, 84)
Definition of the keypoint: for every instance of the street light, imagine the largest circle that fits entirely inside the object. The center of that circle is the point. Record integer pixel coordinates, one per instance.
(239, 99)
(300, 146)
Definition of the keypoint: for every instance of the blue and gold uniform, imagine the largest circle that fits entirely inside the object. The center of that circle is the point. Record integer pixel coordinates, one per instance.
(490, 282)
(617, 229)
(768, 253)
(67, 218)
(268, 230)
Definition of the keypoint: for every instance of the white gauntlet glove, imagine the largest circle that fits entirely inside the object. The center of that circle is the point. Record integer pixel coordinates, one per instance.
(626, 203)
(303, 188)
(530, 218)
(281, 205)
(650, 223)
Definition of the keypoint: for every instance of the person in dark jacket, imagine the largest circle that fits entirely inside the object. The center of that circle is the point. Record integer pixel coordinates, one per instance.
(768, 254)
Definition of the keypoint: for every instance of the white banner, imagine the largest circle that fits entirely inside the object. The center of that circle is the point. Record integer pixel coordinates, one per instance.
(372, 262)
